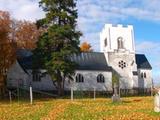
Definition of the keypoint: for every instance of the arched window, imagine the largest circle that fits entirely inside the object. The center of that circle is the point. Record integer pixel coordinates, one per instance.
(79, 78)
(145, 75)
(100, 78)
(120, 43)
(105, 42)
(141, 75)
(36, 75)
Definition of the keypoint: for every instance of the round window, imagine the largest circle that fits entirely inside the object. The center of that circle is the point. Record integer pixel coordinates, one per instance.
(122, 64)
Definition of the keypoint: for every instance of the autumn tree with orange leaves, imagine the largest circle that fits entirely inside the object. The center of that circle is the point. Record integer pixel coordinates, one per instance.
(86, 47)
(7, 48)
(26, 34)
(14, 35)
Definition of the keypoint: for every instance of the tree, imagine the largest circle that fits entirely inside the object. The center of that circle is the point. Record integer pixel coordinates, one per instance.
(7, 48)
(26, 34)
(115, 78)
(14, 34)
(60, 41)
(86, 47)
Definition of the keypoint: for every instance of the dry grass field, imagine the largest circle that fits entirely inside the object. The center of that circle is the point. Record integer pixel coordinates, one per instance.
(131, 108)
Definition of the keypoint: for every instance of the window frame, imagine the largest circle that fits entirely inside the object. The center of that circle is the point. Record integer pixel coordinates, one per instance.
(100, 78)
(145, 75)
(122, 64)
(120, 43)
(142, 76)
(36, 77)
(105, 42)
(79, 78)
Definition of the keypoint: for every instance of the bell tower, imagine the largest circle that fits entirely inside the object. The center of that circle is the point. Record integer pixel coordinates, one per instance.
(117, 43)
(113, 38)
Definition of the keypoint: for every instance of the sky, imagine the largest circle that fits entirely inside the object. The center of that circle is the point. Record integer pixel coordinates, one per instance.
(144, 15)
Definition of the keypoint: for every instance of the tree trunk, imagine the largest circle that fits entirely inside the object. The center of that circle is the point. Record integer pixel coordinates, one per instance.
(3, 87)
(2, 91)
(59, 83)
(54, 84)
(60, 88)
(63, 83)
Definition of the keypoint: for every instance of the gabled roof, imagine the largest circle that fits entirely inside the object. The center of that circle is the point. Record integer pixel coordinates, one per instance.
(24, 58)
(23, 53)
(25, 62)
(91, 61)
(142, 62)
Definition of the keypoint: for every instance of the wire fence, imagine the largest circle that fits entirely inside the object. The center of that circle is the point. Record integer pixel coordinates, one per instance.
(25, 95)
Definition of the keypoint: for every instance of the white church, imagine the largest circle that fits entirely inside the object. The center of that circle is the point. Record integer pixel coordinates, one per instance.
(95, 69)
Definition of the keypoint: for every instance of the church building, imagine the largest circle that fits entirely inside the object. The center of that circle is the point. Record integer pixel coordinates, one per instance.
(95, 70)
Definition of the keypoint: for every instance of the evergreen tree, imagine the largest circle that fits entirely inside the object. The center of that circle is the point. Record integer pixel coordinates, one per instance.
(60, 40)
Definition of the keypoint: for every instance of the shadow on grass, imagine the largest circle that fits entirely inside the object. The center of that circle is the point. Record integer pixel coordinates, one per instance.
(122, 102)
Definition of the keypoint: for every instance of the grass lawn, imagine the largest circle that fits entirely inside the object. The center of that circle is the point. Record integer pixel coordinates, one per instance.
(131, 108)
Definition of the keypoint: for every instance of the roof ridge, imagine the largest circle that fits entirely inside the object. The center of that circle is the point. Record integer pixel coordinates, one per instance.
(93, 52)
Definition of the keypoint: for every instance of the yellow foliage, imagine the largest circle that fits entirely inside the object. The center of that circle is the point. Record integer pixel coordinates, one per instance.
(85, 47)
(131, 108)
(7, 47)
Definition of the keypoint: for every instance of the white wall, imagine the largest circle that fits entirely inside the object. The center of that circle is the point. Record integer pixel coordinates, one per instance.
(44, 84)
(16, 75)
(90, 81)
(145, 82)
(126, 81)
(135, 81)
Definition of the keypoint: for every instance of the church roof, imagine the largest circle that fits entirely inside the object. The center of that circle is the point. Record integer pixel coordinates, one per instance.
(24, 58)
(91, 61)
(142, 62)
(85, 61)
(21, 53)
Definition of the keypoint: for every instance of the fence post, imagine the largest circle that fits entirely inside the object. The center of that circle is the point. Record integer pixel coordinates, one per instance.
(94, 93)
(71, 94)
(31, 96)
(151, 91)
(119, 91)
(18, 95)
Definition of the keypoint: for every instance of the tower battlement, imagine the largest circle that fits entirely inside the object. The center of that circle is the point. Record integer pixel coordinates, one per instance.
(119, 25)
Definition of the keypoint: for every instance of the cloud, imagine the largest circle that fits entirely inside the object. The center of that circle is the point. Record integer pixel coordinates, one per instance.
(22, 9)
(107, 9)
(93, 15)
(148, 47)
(151, 50)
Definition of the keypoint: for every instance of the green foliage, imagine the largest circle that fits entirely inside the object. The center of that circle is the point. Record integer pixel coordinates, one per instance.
(60, 40)
(115, 78)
